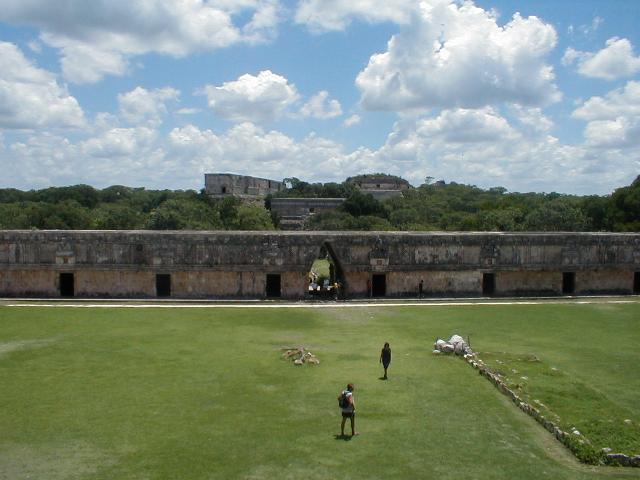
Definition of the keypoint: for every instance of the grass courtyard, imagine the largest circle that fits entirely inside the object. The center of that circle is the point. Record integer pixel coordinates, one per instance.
(202, 393)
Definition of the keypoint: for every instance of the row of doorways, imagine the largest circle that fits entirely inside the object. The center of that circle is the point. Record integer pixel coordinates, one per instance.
(378, 285)
(163, 285)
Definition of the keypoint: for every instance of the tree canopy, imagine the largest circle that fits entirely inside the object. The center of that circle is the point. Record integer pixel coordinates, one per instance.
(431, 206)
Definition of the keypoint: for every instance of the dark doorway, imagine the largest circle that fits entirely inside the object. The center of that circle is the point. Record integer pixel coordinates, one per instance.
(378, 285)
(488, 284)
(636, 282)
(568, 283)
(67, 285)
(273, 285)
(163, 285)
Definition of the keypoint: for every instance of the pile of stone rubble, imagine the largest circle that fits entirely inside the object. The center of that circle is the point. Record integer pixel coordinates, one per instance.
(300, 356)
(455, 344)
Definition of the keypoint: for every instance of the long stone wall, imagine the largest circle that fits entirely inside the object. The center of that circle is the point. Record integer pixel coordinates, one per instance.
(259, 264)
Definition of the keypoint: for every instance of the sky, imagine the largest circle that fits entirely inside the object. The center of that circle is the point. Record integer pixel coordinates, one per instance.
(537, 96)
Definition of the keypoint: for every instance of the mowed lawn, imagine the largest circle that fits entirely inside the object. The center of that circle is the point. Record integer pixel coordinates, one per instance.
(202, 393)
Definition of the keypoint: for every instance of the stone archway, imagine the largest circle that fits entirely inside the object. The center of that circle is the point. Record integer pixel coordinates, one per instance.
(325, 273)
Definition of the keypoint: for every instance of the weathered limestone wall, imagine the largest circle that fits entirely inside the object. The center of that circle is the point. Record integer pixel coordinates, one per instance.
(29, 283)
(293, 283)
(216, 284)
(253, 285)
(604, 281)
(489, 251)
(434, 283)
(356, 284)
(236, 264)
(107, 283)
(197, 284)
(528, 283)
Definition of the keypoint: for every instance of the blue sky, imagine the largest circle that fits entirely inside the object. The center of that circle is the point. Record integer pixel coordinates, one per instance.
(532, 96)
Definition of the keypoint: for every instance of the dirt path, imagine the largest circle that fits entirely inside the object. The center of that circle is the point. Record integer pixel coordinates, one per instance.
(134, 303)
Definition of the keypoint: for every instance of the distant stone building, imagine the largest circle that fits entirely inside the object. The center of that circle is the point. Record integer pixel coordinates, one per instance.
(382, 187)
(293, 212)
(221, 185)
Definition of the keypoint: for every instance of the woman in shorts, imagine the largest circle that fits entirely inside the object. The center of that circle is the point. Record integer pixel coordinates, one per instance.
(348, 410)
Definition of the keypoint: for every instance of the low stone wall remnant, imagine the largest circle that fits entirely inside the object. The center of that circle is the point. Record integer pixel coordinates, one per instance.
(574, 441)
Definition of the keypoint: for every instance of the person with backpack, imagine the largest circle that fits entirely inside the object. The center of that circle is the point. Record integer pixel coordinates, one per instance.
(347, 405)
(385, 358)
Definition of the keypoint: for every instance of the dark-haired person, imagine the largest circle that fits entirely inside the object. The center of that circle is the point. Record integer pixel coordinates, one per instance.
(348, 410)
(385, 358)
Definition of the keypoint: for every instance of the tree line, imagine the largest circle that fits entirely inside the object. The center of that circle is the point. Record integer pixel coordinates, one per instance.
(431, 206)
(459, 207)
(82, 207)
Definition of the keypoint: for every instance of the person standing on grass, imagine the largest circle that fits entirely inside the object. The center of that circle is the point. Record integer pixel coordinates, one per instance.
(348, 407)
(385, 358)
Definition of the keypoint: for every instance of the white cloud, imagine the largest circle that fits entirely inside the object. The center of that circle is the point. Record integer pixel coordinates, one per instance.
(250, 98)
(146, 106)
(84, 63)
(247, 148)
(30, 97)
(522, 160)
(586, 30)
(595, 25)
(143, 157)
(263, 24)
(99, 39)
(466, 126)
(621, 102)
(613, 120)
(35, 46)
(320, 106)
(266, 97)
(132, 157)
(119, 142)
(456, 55)
(532, 120)
(352, 120)
(615, 61)
(40, 160)
(327, 15)
(571, 55)
(619, 133)
(188, 111)
(518, 161)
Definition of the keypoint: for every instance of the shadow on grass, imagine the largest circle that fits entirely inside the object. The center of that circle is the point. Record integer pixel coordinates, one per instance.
(346, 438)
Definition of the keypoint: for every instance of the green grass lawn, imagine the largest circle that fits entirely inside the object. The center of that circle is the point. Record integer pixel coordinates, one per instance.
(203, 393)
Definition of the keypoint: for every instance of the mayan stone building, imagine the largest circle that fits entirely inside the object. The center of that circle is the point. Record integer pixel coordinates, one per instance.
(293, 212)
(382, 187)
(221, 185)
(215, 265)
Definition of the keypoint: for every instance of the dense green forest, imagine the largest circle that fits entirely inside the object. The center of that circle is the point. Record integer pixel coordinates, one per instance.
(431, 206)
(124, 208)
